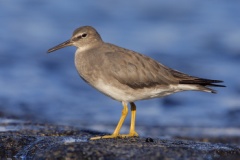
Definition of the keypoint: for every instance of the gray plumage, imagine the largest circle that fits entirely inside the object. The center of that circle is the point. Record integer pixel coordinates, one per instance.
(127, 70)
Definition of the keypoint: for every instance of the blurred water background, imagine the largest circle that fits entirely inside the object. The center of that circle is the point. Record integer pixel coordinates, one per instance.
(201, 38)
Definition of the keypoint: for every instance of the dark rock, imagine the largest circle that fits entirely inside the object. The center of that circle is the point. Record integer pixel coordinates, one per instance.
(43, 141)
(149, 139)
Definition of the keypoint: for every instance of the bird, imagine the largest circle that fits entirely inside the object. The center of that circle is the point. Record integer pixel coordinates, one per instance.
(127, 76)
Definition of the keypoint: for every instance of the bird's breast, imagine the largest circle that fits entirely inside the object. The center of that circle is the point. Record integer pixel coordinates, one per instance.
(88, 65)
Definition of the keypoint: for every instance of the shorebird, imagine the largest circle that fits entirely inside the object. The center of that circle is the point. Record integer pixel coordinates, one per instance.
(125, 75)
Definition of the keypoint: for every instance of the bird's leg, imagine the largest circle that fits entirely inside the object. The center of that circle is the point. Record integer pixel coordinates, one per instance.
(133, 120)
(132, 132)
(119, 125)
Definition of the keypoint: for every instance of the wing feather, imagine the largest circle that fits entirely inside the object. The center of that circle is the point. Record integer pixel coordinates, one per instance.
(136, 70)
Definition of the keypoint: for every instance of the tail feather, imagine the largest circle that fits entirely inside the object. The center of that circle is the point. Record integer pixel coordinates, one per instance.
(202, 83)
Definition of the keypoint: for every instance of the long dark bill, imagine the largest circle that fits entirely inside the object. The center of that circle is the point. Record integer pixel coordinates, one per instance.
(62, 45)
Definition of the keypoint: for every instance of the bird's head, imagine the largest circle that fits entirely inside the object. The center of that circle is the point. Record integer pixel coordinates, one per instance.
(83, 38)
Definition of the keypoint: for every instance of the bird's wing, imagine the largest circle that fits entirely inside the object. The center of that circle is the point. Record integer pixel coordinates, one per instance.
(136, 70)
(139, 71)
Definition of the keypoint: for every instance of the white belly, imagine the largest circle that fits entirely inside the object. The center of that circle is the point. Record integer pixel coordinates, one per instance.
(127, 94)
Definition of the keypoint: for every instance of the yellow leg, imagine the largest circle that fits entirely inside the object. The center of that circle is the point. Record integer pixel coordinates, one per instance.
(132, 132)
(119, 126)
(133, 120)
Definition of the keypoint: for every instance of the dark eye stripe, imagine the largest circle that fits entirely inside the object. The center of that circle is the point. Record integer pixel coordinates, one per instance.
(80, 36)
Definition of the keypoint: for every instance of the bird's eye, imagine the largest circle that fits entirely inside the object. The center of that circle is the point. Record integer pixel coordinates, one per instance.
(81, 36)
(84, 35)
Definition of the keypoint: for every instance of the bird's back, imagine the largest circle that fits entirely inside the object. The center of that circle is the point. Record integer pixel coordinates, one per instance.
(126, 69)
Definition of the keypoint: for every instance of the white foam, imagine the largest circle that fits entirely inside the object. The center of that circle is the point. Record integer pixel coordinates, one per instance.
(73, 140)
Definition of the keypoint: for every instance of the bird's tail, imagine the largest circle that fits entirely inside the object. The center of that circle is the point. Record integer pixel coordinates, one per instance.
(202, 84)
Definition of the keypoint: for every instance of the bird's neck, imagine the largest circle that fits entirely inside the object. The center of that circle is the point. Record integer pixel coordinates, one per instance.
(85, 48)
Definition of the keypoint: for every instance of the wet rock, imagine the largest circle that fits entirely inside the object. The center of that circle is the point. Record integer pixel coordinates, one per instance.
(22, 140)
(149, 139)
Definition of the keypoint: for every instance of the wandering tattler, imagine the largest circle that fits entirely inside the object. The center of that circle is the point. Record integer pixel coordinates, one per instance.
(125, 75)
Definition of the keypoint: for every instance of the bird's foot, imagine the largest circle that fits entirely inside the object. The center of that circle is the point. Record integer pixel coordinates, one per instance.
(131, 134)
(106, 136)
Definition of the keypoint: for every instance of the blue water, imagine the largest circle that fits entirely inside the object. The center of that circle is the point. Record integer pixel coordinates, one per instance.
(201, 38)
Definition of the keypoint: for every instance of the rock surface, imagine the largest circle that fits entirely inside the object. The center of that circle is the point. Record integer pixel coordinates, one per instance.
(22, 140)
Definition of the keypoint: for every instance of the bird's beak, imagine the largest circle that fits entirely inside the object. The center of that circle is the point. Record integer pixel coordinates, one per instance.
(62, 45)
